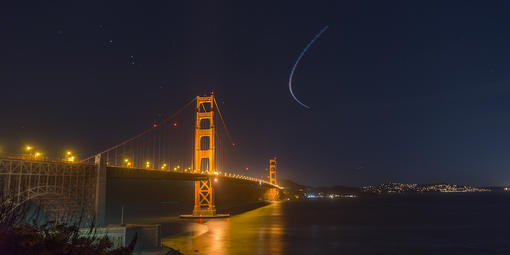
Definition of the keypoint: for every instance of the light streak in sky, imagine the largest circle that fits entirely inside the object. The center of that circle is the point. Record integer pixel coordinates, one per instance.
(297, 62)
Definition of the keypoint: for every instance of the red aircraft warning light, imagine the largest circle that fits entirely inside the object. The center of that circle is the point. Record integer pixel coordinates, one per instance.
(175, 124)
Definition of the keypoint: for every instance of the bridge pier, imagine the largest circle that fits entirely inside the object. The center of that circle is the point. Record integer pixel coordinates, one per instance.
(100, 198)
(272, 194)
(204, 198)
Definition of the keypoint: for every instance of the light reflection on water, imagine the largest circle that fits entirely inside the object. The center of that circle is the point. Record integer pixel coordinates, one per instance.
(255, 232)
(400, 225)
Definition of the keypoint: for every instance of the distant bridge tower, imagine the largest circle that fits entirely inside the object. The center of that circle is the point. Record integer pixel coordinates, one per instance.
(274, 193)
(204, 156)
(272, 171)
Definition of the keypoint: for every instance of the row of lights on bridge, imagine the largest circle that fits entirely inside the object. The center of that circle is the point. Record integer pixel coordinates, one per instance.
(148, 165)
(36, 154)
(128, 163)
(69, 157)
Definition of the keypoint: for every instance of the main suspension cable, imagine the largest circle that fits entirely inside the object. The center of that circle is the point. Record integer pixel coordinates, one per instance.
(224, 125)
(144, 132)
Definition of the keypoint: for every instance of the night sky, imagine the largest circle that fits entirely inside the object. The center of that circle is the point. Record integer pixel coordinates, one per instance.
(399, 90)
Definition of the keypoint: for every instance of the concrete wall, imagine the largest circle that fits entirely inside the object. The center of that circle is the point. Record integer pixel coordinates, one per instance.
(149, 236)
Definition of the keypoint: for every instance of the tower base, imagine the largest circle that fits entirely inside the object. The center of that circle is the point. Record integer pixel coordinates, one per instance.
(192, 216)
(204, 213)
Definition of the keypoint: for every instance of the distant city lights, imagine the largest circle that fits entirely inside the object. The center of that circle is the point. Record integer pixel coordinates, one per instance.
(330, 196)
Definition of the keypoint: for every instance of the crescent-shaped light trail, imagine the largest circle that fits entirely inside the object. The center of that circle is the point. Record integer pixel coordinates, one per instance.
(297, 62)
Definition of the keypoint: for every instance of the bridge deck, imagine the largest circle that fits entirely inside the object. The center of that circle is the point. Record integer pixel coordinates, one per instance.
(141, 173)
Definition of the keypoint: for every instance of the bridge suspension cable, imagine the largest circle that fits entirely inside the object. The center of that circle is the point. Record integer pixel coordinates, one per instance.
(169, 145)
(224, 125)
(155, 126)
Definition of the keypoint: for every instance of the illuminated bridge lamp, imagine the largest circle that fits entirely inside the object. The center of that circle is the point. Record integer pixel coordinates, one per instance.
(163, 166)
(128, 163)
(69, 157)
(147, 164)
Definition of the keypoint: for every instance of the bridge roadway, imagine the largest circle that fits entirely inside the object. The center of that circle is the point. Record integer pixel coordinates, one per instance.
(142, 173)
(63, 188)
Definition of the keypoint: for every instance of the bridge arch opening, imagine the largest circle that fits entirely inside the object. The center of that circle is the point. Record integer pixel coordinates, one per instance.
(205, 107)
(205, 123)
(49, 203)
(205, 143)
(204, 164)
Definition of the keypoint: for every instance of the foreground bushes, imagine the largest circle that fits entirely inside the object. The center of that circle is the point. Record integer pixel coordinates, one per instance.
(52, 238)
(21, 233)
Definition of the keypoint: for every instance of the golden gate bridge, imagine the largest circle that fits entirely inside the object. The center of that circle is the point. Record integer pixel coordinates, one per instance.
(65, 188)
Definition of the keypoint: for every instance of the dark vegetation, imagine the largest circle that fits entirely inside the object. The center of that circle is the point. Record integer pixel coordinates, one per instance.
(21, 232)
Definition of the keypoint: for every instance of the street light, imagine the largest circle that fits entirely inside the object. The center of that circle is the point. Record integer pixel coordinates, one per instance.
(69, 157)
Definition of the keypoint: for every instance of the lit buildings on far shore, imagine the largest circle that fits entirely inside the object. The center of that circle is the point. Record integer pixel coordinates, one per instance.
(389, 188)
(328, 195)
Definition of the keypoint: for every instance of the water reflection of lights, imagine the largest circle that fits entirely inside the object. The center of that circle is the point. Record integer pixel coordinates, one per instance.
(259, 231)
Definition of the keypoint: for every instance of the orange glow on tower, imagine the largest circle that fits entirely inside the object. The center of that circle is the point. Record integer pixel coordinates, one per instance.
(274, 193)
(272, 171)
(204, 156)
